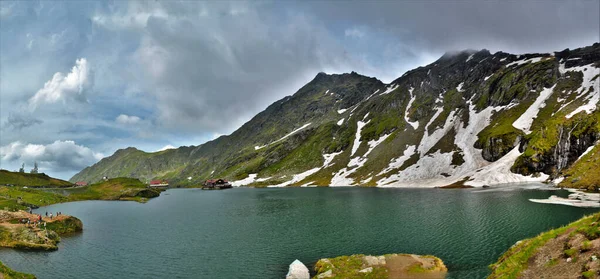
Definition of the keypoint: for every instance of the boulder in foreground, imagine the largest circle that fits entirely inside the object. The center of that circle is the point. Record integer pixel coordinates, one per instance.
(297, 271)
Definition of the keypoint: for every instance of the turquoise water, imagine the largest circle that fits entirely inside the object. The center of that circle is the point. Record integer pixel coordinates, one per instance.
(257, 233)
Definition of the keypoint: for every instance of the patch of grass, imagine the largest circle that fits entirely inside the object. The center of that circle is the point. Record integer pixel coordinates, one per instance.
(552, 262)
(68, 225)
(570, 252)
(31, 180)
(589, 274)
(15, 198)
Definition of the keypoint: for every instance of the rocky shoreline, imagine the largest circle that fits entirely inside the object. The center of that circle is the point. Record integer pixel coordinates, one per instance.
(367, 266)
(16, 233)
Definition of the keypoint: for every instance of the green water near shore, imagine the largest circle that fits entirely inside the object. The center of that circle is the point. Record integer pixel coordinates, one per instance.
(257, 233)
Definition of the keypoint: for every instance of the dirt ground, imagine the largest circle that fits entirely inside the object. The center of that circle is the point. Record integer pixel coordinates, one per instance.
(399, 266)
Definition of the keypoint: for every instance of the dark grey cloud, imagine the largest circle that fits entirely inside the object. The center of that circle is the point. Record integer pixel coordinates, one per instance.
(182, 72)
(212, 70)
(514, 26)
(18, 121)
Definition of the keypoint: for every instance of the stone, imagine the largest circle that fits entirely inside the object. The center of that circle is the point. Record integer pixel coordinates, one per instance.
(366, 270)
(326, 274)
(297, 270)
(372, 260)
(569, 260)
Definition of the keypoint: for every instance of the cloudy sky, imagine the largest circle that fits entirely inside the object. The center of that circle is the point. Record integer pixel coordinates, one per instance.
(79, 80)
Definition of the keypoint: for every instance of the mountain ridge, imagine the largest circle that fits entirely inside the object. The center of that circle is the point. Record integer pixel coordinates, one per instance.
(455, 117)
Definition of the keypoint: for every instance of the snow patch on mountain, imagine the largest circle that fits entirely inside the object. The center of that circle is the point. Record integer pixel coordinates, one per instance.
(398, 162)
(428, 141)
(435, 169)
(590, 80)
(328, 158)
(359, 127)
(283, 138)
(339, 123)
(524, 61)
(524, 122)
(389, 89)
(248, 180)
(470, 57)
(499, 172)
(438, 111)
(341, 111)
(415, 124)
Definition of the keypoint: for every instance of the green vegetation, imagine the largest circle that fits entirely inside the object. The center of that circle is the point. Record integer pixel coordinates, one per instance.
(589, 274)
(18, 198)
(15, 198)
(8, 273)
(31, 180)
(584, 174)
(65, 226)
(113, 189)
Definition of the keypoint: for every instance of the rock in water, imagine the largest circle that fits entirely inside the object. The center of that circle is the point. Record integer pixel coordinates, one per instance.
(297, 271)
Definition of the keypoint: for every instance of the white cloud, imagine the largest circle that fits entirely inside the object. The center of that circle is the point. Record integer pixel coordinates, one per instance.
(168, 146)
(127, 119)
(354, 32)
(73, 86)
(57, 156)
(136, 16)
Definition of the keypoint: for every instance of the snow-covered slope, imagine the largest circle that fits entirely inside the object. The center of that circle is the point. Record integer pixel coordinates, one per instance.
(471, 117)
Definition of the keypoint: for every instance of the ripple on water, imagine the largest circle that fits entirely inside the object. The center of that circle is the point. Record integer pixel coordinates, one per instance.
(249, 233)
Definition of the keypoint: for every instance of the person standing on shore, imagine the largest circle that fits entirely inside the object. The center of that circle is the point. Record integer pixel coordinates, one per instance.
(50, 215)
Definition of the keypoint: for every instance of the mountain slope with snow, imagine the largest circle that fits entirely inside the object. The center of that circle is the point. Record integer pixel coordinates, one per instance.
(476, 117)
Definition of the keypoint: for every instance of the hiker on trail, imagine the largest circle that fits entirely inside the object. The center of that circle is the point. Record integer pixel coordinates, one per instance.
(40, 217)
(44, 225)
(46, 213)
(50, 215)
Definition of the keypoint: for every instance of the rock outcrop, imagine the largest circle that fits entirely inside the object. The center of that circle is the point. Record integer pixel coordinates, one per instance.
(385, 266)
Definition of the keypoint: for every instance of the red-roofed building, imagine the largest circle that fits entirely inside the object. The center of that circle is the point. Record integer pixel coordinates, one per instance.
(81, 183)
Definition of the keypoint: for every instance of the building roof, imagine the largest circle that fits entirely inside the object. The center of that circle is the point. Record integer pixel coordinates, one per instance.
(159, 182)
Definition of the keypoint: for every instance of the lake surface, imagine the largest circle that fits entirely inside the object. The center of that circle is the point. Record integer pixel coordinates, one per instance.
(257, 233)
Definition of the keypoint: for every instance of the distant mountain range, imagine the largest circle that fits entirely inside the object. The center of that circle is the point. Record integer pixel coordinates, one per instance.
(470, 117)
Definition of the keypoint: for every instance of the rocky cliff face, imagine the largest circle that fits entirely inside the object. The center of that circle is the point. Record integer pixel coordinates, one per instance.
(474, 116)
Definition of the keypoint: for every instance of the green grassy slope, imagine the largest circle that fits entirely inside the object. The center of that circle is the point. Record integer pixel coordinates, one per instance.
(31, 180)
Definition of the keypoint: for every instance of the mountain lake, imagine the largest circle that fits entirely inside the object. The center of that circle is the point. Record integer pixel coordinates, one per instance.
(257, 233)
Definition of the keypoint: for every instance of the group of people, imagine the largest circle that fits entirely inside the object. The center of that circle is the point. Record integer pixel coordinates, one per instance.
(36, 222)
(50, 215)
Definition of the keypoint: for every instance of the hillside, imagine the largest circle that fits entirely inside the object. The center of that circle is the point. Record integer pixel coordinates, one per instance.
(15, 198)
(31, 180)
(474, 116)
(570, 251)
